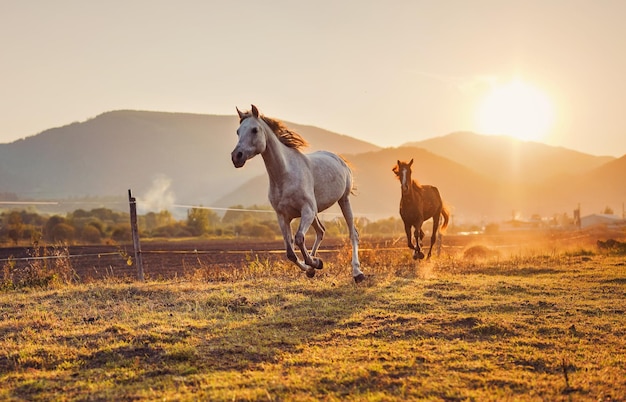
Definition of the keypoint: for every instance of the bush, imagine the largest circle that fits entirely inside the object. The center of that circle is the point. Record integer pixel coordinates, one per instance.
(176, 229)
(40, 272)
(61, 233)
(121, 233)
(91, 234)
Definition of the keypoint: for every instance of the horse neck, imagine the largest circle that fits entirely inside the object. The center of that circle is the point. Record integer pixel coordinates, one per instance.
(274, 155)
(412, 193)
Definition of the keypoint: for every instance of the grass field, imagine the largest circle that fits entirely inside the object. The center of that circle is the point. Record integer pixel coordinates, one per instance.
(545, 326)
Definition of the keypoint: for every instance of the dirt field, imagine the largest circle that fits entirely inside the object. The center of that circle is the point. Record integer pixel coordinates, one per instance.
(168, 259)
(162, 259)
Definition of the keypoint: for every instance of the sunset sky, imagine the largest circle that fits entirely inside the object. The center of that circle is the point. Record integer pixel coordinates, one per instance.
(387, 72)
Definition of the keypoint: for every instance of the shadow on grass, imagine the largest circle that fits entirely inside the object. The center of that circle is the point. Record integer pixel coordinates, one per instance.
(237, 329)
(262, 338)
(191, 334)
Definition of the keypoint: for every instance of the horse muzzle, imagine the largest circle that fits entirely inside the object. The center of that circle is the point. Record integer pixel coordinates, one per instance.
(238, 158)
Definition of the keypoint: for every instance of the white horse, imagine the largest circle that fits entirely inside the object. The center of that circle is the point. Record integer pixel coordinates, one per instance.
(300, 185)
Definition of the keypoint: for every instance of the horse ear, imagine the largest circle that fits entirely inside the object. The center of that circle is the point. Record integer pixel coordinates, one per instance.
(411, 163)
(255, 111)
(239, 113)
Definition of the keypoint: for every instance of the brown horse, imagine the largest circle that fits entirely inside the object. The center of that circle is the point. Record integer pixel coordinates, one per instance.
(418, 204)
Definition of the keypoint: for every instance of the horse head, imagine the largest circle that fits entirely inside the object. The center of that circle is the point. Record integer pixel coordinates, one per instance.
(403, 172)
(252, 140)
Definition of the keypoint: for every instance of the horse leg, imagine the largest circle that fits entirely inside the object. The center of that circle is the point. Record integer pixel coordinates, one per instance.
(285, 228)
(409, 235)
(417, 253)
(433, 238)
(346, 209)
(319, 234)
(419, 240)
(307, 218)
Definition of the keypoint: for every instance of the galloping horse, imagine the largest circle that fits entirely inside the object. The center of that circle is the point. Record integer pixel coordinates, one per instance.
(300, 185)
(418, 204)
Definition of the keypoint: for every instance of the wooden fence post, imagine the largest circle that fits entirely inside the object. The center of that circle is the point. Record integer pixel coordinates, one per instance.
(135, 231)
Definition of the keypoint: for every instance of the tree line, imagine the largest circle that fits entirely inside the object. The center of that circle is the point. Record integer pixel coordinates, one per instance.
(103, 225)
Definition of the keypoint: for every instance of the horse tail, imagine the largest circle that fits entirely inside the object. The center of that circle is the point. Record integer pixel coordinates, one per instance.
(446, 217)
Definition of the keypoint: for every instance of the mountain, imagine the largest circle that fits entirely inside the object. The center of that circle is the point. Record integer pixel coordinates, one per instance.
(594, 190)
(176, 158)
(459, 186)
(472, 197)
(477, 195)
(122, 150)
(505, 158)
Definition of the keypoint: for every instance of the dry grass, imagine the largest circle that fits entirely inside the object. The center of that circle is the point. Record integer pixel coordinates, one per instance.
(525, 326)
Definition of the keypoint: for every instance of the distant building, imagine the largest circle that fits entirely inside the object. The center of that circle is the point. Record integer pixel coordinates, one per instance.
(601, 220)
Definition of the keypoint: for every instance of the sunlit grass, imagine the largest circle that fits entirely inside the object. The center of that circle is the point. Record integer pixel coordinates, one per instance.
(525, 326)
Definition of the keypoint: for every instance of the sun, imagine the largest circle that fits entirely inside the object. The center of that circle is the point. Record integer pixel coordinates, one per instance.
(517, 109)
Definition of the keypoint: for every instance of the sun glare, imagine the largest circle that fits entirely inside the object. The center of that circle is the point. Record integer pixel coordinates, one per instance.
(516, 109)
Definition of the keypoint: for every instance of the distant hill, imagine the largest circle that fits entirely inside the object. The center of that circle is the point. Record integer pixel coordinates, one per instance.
(507, 158)
(121, 150)
(470, 195)
(594, 190)
(473, 195)
(187, 158)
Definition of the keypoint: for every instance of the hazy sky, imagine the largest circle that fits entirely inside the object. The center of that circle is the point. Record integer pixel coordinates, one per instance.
(387, 72)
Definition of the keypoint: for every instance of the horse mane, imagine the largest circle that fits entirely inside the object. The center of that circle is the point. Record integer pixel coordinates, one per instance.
(287, 136)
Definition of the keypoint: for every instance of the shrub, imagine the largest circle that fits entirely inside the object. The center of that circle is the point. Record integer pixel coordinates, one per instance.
(91, 234)
(61, 233)
(48, 266)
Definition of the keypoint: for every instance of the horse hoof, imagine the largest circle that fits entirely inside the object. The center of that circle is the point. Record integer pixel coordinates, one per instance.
(359, 278)
(420, 255)
(320, 264)
(310, 273)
